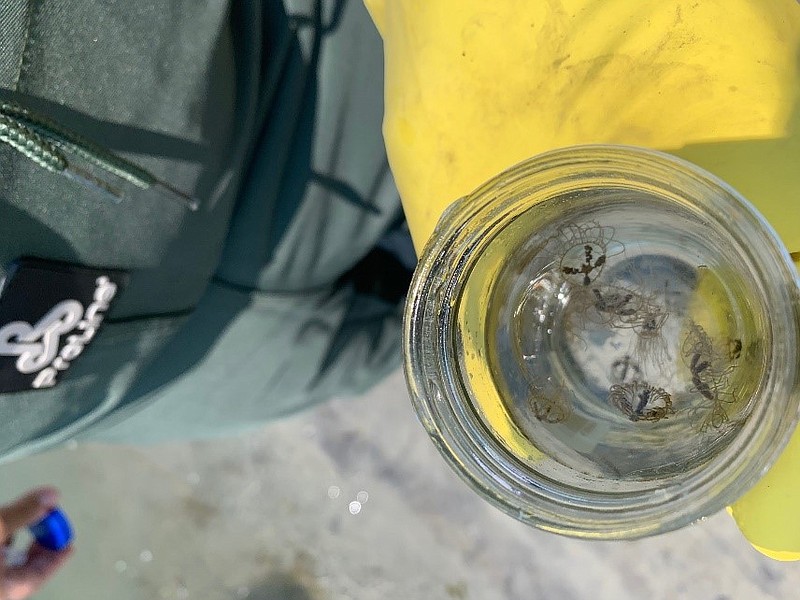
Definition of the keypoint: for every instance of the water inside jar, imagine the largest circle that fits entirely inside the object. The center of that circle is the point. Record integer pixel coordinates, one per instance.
(622, 337)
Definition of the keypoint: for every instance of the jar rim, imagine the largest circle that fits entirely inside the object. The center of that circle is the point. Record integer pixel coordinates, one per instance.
(439, 396)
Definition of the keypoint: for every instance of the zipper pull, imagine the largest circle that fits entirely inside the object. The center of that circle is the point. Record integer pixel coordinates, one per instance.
(47, 143)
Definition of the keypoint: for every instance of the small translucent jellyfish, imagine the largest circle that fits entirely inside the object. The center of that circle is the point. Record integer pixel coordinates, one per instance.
(640, 401)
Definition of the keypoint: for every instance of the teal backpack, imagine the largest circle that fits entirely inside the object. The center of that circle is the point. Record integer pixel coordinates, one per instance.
(199, 231)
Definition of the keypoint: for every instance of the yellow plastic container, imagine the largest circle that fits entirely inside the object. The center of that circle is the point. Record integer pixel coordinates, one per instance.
(474, 87)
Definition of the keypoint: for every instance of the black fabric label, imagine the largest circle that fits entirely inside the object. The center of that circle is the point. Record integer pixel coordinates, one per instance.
(49, 313)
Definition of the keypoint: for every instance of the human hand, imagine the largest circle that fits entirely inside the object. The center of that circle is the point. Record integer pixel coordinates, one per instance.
(474, 87)
(18, 582)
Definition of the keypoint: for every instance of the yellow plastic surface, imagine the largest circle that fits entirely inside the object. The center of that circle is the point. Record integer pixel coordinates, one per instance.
(473, 327)
(473, 87)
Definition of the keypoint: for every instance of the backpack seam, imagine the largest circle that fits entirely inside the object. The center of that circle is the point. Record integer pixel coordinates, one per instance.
(33, 11)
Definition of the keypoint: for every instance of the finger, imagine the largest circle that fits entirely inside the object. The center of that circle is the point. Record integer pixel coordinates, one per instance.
(27, 510)
(24, 580)
(39, 554)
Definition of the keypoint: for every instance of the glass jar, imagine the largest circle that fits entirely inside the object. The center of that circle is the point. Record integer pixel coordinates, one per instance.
(602, 341)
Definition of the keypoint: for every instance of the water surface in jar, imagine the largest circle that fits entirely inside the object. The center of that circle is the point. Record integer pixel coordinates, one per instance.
(623, 342)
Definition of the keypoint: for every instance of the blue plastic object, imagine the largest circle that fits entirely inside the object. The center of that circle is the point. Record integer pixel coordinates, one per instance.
(54, 531)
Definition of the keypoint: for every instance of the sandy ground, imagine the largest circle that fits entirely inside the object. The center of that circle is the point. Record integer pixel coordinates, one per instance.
(276, 516)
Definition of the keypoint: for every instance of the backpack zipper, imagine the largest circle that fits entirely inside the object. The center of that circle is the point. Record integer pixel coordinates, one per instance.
(47, 143)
